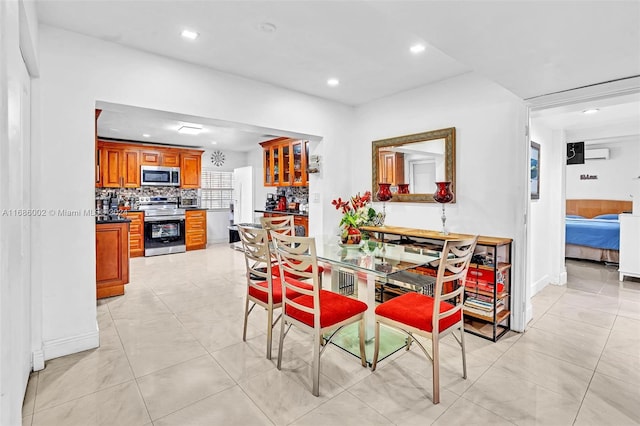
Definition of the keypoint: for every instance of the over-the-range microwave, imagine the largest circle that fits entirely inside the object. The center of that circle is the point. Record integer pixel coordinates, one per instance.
(159, 176)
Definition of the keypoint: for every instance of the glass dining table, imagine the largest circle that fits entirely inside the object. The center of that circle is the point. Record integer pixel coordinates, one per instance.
(362, 271)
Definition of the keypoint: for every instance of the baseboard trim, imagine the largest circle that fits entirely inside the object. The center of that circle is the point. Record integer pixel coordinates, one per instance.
(540, 284)
(37, 360)
(71, 345)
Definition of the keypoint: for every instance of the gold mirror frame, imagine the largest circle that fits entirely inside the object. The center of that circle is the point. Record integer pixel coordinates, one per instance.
(449, 136)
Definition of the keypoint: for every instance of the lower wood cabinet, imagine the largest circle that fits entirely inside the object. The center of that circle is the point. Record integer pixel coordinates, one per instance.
(112, 258)
(196, 229)
(136, 234)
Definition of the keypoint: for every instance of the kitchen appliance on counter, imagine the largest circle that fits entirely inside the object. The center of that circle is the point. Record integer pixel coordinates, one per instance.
(271, 203)
(282, 203)
(164, 225)
(190, 202)
(159, 176)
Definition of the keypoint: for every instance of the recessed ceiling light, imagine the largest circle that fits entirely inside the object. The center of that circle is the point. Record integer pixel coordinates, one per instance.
(146, 135)
(333, 82)
(191, 35)
(214, 143)
(417, 48)
(590, 111)
(267, 27)
(190, 130)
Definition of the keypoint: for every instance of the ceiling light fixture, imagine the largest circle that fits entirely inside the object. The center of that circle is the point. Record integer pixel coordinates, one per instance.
(333, 82)
(267, 27)
(146, 135)
(214, 143)
(191, 35)
(190, 130)
(590, 111)
(417, 48)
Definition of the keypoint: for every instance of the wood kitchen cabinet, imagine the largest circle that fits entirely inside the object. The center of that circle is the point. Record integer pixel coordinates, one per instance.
(196, 229)
(112, 258)
(154, 157)
(119, 166)
(118, 163)
(136, 234)
(190, 169)
(391, 167)
(285, 162)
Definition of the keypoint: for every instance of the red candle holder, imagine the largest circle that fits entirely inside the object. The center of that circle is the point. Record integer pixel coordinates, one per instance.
(384, 192)
(443, 195)
(403, 188)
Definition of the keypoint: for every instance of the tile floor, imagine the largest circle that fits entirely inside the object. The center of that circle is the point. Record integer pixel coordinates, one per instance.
(171, 353)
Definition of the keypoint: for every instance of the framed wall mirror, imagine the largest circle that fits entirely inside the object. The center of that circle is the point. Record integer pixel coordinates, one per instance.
(413, 163)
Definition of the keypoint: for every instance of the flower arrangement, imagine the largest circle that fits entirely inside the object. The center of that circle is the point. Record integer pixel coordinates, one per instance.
(355, 213)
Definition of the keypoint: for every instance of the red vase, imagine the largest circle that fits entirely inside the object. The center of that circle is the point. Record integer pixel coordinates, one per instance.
(403, 188)
(443, 192)
(384, 192)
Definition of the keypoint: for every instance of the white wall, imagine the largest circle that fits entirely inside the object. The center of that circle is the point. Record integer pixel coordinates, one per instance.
(490, 158)
(16, 296)
(546, 214)
(76, 71)
(614, 175)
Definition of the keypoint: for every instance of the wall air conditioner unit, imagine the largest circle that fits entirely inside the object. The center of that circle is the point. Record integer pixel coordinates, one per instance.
(596, 154)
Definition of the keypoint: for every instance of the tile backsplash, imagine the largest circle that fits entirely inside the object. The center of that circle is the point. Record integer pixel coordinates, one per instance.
(131, 194)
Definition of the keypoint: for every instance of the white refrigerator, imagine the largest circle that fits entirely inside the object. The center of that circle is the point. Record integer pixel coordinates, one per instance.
(243, 195)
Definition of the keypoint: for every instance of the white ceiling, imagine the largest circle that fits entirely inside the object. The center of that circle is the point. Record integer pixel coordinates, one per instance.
(529, 47)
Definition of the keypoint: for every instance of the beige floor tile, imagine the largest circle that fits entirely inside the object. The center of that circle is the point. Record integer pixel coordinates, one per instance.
(81, 374)
(560, 376)
(229, 407)
(583, 315)
(578, 329)
(399, 393)
(574, 349)
(345, 410)
(243, 360)
(521, 401)
(28, 403)
(154, 343)
(610, 402)
(189, 382)
(285, 395)
(588, 300)
(117, 405)
(630, 309)
(620, 365)
(178, 308)
(625, 336)
(465, 412)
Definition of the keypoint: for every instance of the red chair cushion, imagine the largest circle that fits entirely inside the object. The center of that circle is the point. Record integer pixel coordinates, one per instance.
(416, 310)
(275, 271)
(277, 290)
(334, 308)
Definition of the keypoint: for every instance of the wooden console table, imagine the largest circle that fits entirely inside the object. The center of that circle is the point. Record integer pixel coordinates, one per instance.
(487, 307)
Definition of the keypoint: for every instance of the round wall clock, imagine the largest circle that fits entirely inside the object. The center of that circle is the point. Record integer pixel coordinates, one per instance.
(217, 158)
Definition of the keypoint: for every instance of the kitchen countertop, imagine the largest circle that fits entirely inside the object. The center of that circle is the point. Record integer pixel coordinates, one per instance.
(283, 212)
(112, 220)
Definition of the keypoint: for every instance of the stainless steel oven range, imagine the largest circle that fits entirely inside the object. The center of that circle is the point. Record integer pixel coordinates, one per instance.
(163, 225)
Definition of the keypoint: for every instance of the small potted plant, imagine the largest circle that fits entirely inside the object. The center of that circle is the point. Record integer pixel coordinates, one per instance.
(355, 213)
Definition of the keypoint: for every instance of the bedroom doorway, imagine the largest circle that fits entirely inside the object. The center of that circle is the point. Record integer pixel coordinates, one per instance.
(556, 120)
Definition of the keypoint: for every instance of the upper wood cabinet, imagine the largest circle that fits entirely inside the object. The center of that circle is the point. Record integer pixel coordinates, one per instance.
(119, 166)
(391, 167)
(118, 163)
(190, 169)
(157, 157)
(285, 162)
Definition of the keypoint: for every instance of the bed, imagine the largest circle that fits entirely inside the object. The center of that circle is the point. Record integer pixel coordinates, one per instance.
(593, 229)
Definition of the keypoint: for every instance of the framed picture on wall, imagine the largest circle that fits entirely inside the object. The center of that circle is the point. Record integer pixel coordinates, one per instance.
(535, 171)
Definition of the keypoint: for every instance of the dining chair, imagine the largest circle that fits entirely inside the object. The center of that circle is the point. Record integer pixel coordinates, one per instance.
(284, 224)
(432, 317)
(263, 288)
(317, 311)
